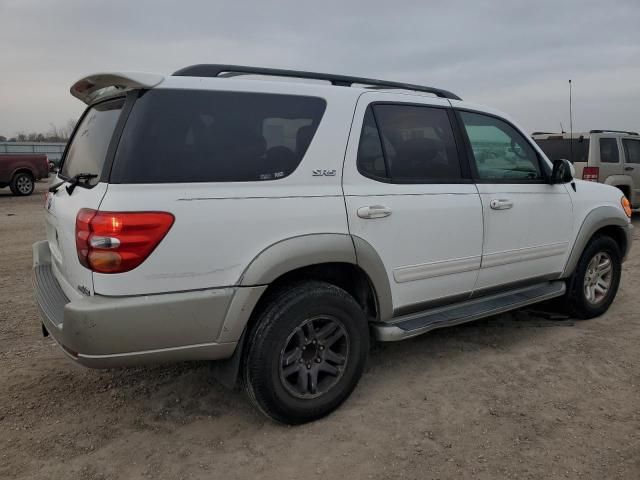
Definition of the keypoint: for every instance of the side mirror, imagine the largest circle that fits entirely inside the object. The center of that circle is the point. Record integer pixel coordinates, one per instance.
(563, 171)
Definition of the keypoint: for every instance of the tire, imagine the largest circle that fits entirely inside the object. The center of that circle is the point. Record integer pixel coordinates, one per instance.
(599, 251)
(22, 184)
(278, 373)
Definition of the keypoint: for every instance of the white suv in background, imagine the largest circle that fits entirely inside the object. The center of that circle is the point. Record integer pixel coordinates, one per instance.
(606, 156)
(280, 225)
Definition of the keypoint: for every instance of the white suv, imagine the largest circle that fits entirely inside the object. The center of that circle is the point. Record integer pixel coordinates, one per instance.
(279, 225)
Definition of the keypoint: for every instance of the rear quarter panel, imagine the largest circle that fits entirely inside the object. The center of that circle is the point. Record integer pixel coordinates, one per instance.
(221, 227)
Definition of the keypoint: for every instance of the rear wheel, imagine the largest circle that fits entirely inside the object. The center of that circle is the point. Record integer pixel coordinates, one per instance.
(307, 352)
(22, 184)
(594, 284)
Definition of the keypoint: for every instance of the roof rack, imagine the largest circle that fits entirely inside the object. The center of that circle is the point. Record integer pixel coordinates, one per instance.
(214, 70)
(613, 131)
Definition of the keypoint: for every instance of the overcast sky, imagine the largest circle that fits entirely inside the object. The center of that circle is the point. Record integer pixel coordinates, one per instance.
(514, 56)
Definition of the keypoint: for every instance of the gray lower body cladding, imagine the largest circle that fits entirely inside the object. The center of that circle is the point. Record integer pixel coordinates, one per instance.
(105, 332)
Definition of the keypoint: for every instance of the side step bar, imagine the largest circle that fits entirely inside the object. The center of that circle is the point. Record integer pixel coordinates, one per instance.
(408, 326)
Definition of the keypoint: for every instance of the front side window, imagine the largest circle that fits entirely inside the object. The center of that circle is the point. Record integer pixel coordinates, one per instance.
(406, 143)
(500, 152)
(631, 150)
(609, 150)
(174, 136)
(88, 149)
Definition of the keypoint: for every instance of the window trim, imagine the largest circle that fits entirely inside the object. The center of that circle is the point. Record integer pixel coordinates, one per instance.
(465, 176)
(615, 139)
(544, 168)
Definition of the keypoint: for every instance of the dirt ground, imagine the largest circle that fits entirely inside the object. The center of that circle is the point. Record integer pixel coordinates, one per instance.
(514, 396)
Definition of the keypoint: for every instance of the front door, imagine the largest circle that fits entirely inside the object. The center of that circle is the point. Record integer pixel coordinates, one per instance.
(527, 222)
(407, 196)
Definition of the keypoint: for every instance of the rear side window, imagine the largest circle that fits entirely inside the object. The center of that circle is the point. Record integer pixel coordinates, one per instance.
(406, 143)
(559, 148)
(88, 149)
(175, 136)
(609, 150)
(631, 150)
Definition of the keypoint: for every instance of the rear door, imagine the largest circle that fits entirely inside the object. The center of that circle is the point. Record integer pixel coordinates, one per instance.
(610, 161)
(631, 147)
(527, 222)
(408, 195)
(86, 153)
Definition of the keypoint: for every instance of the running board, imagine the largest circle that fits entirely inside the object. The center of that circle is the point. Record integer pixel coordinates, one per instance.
(408, 326)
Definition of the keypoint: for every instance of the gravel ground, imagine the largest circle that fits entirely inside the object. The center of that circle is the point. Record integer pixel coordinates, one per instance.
(514, 396)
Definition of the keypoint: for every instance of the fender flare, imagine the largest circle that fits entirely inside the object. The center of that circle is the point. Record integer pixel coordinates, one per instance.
(620, 181)
(599, 217)
(25, 167)
(283, 257)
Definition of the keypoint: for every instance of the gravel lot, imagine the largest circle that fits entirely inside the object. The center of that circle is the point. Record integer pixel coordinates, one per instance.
(514, 396)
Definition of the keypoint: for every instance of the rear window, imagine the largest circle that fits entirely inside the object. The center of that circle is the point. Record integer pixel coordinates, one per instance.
(175, 136)
(88, 148)
(559, 148)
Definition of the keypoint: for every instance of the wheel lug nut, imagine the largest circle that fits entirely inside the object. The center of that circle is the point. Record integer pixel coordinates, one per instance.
(321, 347)
(308, 365)
(315, 341)
(301, 361)
(318, 360)
(304, 347)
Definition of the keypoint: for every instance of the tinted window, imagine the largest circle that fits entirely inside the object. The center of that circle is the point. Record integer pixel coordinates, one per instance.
(609, 150)
(500, 151)
(631, 150)
(88, 149)
(201, 136)
(412, 143)
(558, 148)
(370, 155)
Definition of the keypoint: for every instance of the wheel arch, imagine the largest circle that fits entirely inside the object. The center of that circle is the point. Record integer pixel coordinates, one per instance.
(23, 169)
(606, 219)
(326, 257)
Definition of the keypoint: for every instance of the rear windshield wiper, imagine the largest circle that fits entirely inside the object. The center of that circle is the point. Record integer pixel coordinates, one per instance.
(73, 182)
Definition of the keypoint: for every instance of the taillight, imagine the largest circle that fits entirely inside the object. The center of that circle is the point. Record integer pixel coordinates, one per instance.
(116, 242)
(590, 174)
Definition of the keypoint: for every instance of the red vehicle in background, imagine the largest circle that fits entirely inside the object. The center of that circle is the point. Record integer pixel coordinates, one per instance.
(20, 172)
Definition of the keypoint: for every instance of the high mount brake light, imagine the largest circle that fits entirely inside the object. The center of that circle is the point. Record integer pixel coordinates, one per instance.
(116, 242)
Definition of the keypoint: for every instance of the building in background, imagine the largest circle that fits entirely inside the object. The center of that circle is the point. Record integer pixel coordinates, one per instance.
(53, 150)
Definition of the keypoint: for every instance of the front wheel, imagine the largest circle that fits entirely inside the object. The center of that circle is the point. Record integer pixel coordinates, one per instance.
(594, 284)
(307, 352)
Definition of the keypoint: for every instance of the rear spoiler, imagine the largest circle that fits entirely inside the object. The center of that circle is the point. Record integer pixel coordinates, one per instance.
(92, 87)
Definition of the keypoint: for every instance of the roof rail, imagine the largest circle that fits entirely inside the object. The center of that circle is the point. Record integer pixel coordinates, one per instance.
(613, 131)
(214, 70)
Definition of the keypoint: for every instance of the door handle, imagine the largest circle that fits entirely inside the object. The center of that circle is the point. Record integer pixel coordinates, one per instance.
(501, 204)
(374, 211)
(628, 168)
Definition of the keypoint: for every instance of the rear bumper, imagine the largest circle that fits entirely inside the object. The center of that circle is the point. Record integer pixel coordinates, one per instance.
(104, 332)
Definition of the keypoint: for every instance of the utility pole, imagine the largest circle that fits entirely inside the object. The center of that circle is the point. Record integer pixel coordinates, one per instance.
(570, 126)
